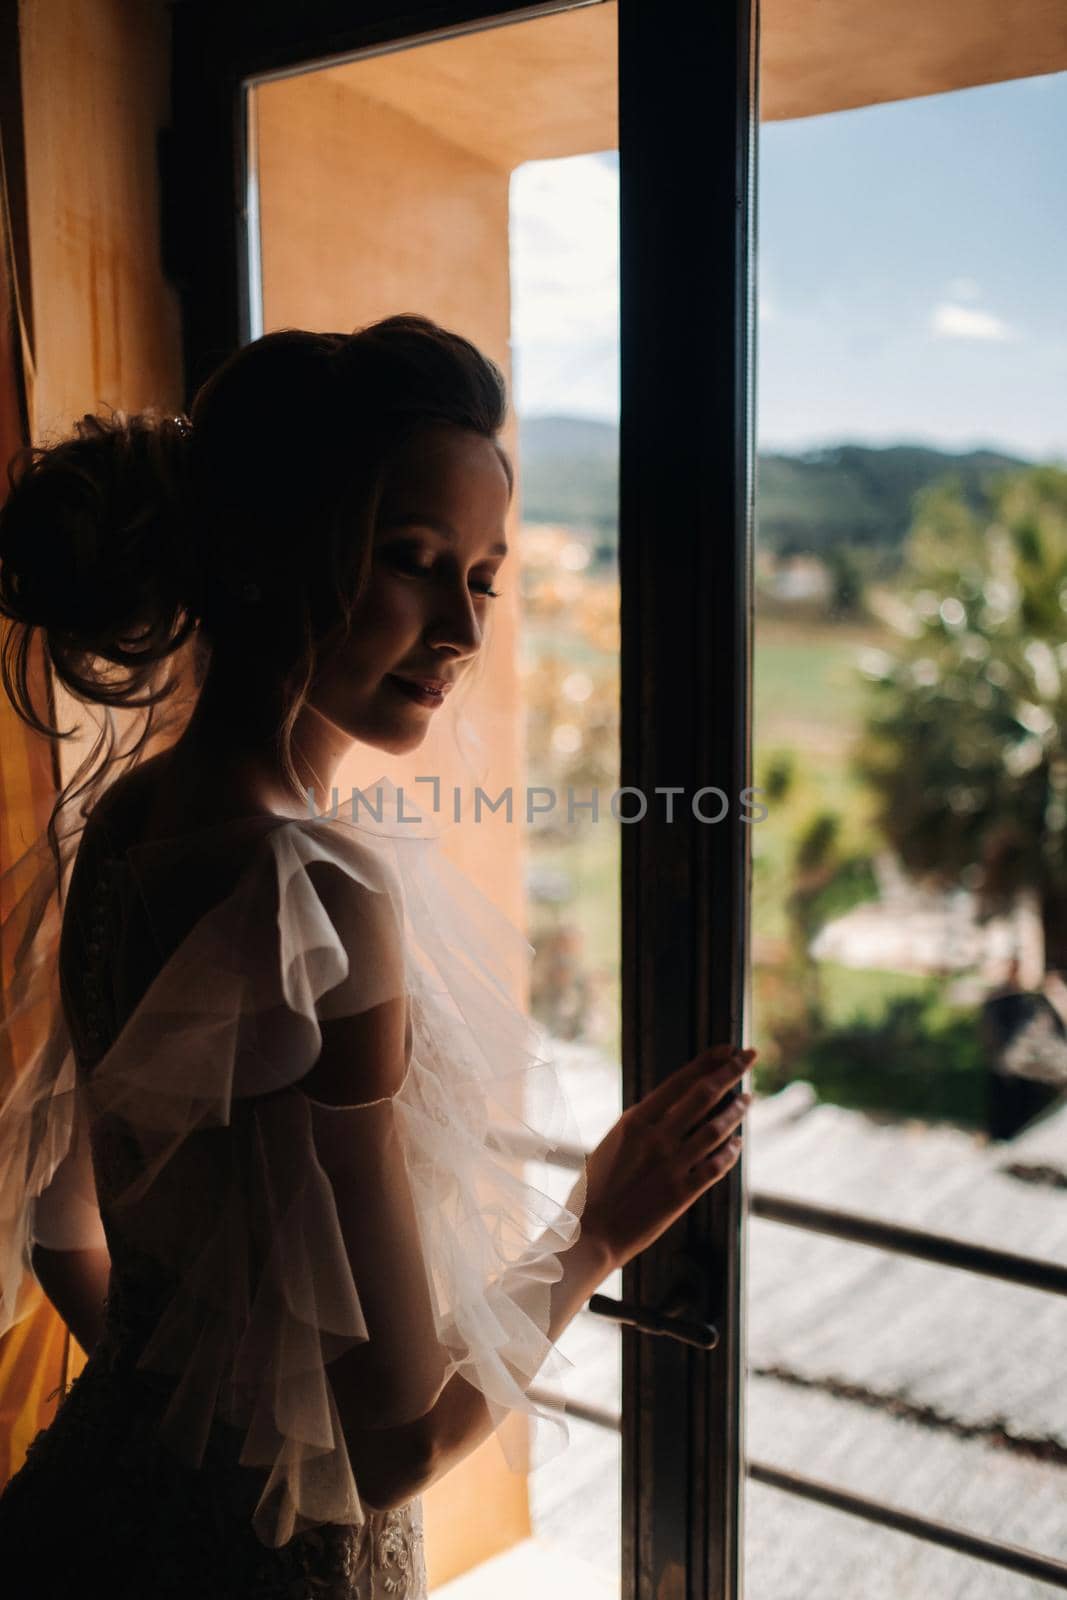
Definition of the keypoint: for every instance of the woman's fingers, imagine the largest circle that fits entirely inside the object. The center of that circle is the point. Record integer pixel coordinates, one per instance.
(665, 1151)
(708, 1173)
(709, 1136)
(720, 1066)
(701, 1097)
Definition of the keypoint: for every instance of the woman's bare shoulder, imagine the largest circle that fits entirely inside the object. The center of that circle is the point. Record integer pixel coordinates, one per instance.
(177, 856)
(153, 803)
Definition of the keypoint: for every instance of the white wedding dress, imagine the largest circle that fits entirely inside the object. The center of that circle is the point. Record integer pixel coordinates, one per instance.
(256, 1234)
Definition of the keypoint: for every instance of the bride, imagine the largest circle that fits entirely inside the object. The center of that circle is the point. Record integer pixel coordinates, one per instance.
(257, 1153)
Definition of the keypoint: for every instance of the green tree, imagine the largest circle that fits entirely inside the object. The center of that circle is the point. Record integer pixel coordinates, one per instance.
(846, 598)
(965, 740)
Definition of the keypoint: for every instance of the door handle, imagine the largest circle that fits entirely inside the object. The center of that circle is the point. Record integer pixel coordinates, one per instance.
(674, 1316)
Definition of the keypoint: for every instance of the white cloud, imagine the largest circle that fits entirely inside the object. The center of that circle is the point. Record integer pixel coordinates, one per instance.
(564, 250)
(950, 321)
(564, 230)
(964, 289)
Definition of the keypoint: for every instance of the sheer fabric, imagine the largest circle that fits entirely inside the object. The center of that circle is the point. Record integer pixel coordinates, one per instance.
(256, 1234)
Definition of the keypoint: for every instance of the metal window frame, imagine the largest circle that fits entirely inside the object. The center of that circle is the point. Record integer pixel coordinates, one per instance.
(203, 157)
(688, 139)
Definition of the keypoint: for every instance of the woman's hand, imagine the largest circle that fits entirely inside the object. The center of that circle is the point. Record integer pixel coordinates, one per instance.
(665, 1152)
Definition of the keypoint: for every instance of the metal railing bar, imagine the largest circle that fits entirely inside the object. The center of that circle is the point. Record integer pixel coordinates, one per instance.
(939, 1249)
(523, 1145)
(599, 1416)
(993, 1551)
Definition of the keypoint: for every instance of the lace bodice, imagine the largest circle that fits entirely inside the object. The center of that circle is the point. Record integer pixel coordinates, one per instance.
(98, 1508)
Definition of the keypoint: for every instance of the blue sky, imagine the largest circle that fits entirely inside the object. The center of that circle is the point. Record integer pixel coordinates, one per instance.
(912, 275)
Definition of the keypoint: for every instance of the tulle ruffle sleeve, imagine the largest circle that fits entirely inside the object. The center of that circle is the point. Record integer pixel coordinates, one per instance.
(47, 1187)
(275, 1233)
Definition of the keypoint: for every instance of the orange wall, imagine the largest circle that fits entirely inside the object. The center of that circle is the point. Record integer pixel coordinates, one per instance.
(95, 88)
(831, 55)
(95, 83)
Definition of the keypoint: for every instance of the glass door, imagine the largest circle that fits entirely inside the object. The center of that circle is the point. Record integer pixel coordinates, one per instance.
(551, 182)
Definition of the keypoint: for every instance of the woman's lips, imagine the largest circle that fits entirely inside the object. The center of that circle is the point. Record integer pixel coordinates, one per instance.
(414, 691)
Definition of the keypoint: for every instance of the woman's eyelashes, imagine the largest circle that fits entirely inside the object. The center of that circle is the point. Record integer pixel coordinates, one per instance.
(405, 558)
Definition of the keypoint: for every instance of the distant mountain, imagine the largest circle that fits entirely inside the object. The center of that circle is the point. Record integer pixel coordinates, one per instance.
(845, 494)
(570, 472)
(858, 494)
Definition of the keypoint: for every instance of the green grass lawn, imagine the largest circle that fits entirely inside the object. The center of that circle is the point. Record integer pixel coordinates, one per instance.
(806, 673)
(854, 992)
(809, 699)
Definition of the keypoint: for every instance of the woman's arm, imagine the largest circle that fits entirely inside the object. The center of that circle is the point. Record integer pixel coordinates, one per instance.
(460, 1420)
(76, 1282)
(399, 1370)
(396, 1464)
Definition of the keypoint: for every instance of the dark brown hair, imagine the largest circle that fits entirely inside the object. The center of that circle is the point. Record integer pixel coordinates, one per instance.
(244, 530)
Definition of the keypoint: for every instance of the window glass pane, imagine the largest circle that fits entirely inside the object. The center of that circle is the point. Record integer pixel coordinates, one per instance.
(910, 924)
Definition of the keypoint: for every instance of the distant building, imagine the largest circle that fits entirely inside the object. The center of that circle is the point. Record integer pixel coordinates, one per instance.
(801, 577)
(912, 928)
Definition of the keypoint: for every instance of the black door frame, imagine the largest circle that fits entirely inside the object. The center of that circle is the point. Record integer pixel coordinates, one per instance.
(687, 136)
(688, 110)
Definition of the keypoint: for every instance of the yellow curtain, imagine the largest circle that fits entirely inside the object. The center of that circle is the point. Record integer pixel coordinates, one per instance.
(37, 1355)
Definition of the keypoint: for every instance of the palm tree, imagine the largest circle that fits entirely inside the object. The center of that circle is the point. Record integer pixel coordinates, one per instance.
(965, 740)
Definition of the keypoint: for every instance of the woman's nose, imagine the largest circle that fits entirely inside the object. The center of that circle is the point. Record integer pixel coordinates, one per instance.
(456, 623)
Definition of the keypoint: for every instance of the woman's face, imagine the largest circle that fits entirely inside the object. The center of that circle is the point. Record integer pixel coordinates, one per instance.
(438, 546)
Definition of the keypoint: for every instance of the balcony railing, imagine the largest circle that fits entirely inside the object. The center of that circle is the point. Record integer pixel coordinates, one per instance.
(942, 1250)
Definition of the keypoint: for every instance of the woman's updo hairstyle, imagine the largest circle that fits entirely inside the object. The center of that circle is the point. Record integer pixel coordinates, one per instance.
(90, 534)
(247, 525)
